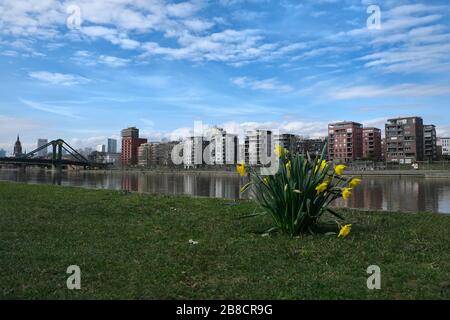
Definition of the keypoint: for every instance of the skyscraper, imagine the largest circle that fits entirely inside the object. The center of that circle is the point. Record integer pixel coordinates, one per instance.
(404, 140)
(2, 153)
(112, 146)
(130, 145)
(42, 153)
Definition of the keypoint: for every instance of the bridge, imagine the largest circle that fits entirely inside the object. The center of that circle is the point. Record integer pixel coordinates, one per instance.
(56, 161)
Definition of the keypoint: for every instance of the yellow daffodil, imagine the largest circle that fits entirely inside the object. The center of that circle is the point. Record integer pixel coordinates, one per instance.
(346, 193)
(354, 183)
(280, 151)
(240, 168)
(266, 181)
(345, 231)
(288, 168)
(339, 169)
(322, 187)
(321, 166)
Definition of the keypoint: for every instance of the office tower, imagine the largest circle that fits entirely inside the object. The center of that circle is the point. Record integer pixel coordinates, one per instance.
(130, 145)
(2, 153)
(404, 140)
(372, 149)
(430, 142)
(112, 146)
(42, 153)
(345, 141)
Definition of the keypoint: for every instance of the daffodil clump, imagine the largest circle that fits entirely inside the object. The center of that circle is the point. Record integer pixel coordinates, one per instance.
(300, 192)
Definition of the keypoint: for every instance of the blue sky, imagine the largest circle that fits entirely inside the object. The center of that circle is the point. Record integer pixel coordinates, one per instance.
(241, 64)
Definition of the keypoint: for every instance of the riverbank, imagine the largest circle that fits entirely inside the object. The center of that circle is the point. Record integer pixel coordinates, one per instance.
(136, 246)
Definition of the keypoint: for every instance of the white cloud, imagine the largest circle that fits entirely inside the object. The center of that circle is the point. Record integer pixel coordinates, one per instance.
(58, 78)
(266, 84)
(58, 110)
(404, 90)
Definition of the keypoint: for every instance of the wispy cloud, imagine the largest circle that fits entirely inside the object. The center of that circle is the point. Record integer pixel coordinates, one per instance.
(58, 78)
(266, 84)
(404, 90)
(58, 110)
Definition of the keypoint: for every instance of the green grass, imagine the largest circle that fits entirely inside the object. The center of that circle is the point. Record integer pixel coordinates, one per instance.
(137, 247)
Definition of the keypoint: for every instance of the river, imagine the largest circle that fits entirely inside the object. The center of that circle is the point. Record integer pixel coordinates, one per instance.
(406, 194)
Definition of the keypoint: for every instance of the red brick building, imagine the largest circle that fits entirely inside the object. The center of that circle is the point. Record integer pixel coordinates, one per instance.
(130, 145)
(372, 149)
(345, 141)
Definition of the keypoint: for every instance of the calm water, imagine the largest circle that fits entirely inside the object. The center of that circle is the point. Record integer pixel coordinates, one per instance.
(392, 194)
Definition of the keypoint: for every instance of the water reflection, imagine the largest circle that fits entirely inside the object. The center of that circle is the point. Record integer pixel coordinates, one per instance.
(410, 194)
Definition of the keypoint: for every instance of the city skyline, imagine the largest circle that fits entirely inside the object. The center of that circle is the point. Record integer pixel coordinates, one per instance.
(166, 64)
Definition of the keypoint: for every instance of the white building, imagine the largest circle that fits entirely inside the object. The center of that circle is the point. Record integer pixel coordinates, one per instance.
(101, 148)
(193, 148)
(258, 147)
(223, 147)
(445, 142)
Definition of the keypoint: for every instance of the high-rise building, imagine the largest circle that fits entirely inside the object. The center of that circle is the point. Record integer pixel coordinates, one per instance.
(224, 147)
(42, 153)
(430, 142)
(193, 148)
(404, 140)
(445, 143)
(258, 147)
(18, 148)
(372, 149)
(2, 153)
(345, 141)
(112, 146)
(130, 145)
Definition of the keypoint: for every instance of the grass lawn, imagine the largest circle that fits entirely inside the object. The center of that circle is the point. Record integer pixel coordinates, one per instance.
(135, 246)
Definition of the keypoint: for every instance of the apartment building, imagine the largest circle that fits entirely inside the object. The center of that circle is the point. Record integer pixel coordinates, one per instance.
(372, 148)
(130, 145)
(405, 140)
(153, 154)
(193, 148)
(345, 141)
(311, 146)
(258, 147)
(430, 143)
(287, 141)
(445, 144)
